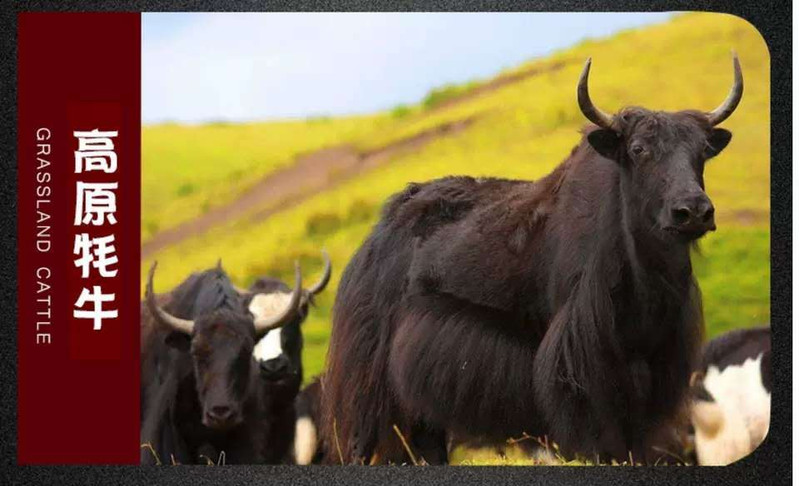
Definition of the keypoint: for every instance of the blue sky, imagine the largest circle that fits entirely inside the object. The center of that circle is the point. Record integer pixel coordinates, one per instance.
(260, 66)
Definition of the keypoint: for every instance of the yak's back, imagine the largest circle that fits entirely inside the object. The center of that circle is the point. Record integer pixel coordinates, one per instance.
(470, 238)
(379, 268)
(423, 208)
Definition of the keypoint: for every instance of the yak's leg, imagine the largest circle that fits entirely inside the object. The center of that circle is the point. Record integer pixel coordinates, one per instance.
(392, 447)
(364, 448)
(429, 444)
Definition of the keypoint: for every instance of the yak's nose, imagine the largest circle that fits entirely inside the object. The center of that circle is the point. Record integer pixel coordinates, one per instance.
(693, 214)
(275, 366)
(221, 413)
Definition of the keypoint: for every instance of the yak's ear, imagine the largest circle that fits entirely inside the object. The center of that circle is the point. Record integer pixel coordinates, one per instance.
(719, 138)
(178, 340)
(605, 142)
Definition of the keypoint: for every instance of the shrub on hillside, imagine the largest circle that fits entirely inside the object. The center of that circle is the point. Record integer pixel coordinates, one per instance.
(439, 95)
(400, 111)
(322, 224)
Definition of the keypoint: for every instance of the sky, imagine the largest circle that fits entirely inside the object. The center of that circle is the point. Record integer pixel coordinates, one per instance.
(200, 67)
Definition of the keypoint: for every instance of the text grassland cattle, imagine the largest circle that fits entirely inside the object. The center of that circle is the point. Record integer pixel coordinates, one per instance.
(201, 393)
(564, 307)
(731, 405)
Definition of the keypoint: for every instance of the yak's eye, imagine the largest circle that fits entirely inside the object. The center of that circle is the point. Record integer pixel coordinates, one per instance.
(637, 149)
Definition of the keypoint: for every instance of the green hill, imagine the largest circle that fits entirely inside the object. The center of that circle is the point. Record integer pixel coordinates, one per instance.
(524, 122)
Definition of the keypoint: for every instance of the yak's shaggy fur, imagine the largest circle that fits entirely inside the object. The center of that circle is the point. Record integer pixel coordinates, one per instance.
(491, 308)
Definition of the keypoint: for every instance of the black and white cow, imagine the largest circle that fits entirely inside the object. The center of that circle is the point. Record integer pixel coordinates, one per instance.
(279, 352)
(732, 396)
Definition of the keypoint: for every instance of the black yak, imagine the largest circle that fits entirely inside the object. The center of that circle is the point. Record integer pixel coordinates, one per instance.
(202, 395)
(732, 396)
(565, 307)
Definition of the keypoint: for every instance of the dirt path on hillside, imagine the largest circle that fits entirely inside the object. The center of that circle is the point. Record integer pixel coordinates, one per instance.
(310, 174)
(324, 169)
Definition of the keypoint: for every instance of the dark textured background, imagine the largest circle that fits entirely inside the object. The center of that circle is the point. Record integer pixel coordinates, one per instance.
(770, 464)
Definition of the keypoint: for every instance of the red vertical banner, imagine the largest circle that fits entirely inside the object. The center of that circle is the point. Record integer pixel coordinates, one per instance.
(79, 238)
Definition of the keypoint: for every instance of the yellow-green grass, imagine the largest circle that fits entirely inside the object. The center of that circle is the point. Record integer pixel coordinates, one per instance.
(523, 130)
(186, 170)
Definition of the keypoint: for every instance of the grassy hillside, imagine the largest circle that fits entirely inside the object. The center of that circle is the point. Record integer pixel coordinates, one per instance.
(522, 129)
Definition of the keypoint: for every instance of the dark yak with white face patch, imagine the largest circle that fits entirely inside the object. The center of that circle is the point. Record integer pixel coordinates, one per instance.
(278, 353)
(564, 307)
(201, 394)
(278, 357)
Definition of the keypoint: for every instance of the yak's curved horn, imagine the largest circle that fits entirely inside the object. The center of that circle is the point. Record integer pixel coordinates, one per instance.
(323, 281)
(262, 326)
(176, 323)
(733, 98)
(594, 114)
